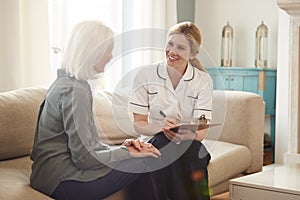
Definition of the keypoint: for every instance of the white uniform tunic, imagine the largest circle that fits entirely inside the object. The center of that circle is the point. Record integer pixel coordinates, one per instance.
(153, 92)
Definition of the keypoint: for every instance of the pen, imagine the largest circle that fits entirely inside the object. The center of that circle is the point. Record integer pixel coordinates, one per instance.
(169, 121)
(162, 114)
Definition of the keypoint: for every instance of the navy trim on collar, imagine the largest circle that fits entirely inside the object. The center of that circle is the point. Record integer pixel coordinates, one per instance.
(188, 75)
(192, 75)
(157, 71)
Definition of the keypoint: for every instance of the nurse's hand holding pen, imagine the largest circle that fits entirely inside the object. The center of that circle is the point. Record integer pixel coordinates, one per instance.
(181, 134)
(170, 123)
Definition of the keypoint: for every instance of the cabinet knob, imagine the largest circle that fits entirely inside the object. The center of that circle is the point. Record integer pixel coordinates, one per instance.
(227, 79)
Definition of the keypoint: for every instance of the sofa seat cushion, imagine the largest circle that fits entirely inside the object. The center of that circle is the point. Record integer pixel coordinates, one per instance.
(14, 180)
(227, 160)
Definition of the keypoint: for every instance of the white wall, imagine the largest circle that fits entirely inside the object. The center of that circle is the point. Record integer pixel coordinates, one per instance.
(24, 44)
(282, 112)
(10, 58)
(244, 16)
(35, 43)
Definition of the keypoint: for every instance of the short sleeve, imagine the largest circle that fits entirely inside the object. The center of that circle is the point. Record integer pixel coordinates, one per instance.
(203, 105)
(138, 98)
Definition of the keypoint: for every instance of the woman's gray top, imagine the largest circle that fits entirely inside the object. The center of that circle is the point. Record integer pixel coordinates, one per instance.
(66, 143)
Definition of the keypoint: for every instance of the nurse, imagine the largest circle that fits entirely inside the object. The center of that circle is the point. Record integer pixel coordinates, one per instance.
(166, 94)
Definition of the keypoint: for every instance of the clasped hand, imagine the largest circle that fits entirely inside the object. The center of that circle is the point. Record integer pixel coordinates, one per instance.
(138, 149)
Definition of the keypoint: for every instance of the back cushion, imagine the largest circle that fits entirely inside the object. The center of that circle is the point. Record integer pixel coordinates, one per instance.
(114, 122)
(18, 115)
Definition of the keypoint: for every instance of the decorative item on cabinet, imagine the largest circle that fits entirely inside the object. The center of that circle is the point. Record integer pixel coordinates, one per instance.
(261, 46)
(226, 46)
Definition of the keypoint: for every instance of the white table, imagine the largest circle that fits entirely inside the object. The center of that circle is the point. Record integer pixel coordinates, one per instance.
(278, 183)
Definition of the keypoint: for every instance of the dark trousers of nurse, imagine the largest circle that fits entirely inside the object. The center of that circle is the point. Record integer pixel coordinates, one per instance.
(179, 174)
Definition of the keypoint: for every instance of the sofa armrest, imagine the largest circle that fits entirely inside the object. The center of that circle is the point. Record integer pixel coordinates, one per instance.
(242, 115)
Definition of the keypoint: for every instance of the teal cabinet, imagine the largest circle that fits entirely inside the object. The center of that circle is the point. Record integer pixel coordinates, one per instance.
(257, 80)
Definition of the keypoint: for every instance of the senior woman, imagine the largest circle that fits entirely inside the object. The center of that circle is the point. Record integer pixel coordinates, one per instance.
(69, 160)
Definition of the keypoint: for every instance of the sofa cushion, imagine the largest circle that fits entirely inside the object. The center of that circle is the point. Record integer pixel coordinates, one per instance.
(18, 117)
(14, 180)
(227, 160)
(114, 122)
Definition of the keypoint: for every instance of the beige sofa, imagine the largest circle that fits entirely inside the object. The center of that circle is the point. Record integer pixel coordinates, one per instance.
(236, 146)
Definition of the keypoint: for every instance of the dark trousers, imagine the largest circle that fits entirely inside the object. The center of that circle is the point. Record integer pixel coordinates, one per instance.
(125, 173)
(179, 174)
(184, 172)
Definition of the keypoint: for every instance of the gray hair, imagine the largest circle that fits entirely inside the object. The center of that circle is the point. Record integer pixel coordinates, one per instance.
(87, 44)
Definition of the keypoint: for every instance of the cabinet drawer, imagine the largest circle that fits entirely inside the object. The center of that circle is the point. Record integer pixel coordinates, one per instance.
(248, 193)
(225, 71)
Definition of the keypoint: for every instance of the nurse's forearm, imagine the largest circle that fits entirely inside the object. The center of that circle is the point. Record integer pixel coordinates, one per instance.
(145, 128)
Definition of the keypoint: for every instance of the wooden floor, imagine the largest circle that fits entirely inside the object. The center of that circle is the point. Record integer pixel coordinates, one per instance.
(223, 196)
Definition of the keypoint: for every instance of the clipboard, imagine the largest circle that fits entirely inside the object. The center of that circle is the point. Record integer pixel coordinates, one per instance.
(193, 127)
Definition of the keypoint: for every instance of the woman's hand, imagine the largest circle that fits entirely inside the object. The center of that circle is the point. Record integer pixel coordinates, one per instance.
(187, 134)
(181, 135)
(169, 123)
(137, 144)
(139, 149)
(200, 135)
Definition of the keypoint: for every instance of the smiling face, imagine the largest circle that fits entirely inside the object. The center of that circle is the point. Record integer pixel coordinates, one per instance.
(178, 52)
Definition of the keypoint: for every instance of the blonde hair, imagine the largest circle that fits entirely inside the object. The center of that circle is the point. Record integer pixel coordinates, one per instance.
(192, 33)
(87, 44)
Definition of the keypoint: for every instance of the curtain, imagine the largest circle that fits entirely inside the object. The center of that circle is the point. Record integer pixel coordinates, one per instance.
(34, 33)
(24, 59)
(139, 26)
(65, 14)
(145, 24)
